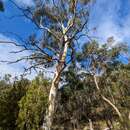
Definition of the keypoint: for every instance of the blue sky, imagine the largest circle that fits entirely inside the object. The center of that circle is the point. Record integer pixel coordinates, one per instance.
(110, 17)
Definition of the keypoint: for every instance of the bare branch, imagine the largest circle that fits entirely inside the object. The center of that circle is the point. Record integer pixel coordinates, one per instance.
(14, 16)
(18, 51)
(14, 43)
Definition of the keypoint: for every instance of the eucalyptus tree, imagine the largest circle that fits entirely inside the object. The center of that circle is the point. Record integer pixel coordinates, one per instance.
(103, 63)
(62, 24)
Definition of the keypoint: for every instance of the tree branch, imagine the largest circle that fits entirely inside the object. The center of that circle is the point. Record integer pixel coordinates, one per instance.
(105, 99)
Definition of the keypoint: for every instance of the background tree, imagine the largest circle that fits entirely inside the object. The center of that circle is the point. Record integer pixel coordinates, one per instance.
(33, 105)
(99, 62)
(10, 94)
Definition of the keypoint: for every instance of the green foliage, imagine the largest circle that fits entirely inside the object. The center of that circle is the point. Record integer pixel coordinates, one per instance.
(10, 94)
(33, 105)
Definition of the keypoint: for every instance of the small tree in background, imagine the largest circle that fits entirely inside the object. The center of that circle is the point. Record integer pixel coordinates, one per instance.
(10, 94)
(33, 105)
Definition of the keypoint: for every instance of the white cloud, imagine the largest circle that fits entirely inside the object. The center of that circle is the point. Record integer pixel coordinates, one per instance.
(25, 2)
(106, 17)
(108, 29)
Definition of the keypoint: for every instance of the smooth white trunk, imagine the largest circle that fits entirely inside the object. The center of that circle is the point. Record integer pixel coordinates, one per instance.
(54, 88)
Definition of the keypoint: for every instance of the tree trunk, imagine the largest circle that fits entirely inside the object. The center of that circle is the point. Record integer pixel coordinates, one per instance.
(107, 100)
(54, 88)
